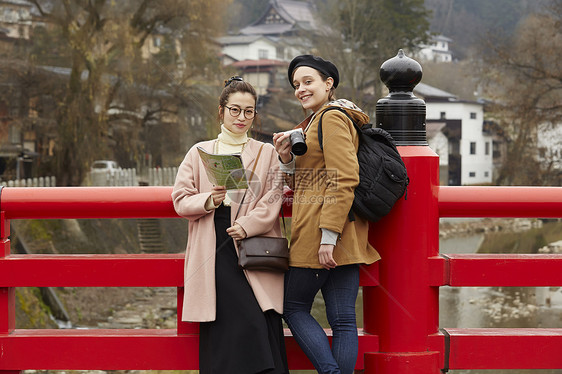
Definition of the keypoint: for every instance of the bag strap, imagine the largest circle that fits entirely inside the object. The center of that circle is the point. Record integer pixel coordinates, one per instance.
(320, 138)
(256, 163)
(350, 215)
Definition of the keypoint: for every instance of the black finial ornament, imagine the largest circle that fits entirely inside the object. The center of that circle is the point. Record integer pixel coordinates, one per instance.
(401, 113)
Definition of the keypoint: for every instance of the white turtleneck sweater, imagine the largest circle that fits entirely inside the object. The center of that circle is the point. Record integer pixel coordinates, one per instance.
(227, 143)
(230, 142)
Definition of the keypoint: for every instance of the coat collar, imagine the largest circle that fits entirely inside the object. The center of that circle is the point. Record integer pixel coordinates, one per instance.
(250, 153)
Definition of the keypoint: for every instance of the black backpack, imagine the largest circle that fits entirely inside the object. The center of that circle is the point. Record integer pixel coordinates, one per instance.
(383, 178)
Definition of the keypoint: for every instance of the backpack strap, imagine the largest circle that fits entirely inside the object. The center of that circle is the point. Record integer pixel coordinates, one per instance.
(320, 137)
(351, 215)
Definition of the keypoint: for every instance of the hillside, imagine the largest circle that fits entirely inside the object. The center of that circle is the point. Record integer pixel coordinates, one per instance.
(464, 21)
(468, 21)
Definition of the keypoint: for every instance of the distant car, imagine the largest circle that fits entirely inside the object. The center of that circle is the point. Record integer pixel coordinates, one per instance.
(105, 166)
(102, 171)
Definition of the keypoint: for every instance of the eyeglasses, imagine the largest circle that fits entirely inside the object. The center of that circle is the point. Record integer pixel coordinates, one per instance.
(235, 112)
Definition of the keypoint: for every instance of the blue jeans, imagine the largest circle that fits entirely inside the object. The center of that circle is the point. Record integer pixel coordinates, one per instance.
(339, 288)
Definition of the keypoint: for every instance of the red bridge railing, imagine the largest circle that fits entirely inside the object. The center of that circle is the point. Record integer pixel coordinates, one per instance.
(400, 293)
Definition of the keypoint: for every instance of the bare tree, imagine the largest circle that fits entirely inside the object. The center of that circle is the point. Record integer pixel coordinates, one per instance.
(523, 77)
(104, 40)
(361, 34)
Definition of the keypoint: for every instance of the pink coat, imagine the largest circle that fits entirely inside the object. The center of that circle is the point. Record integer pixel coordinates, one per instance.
(258, 216)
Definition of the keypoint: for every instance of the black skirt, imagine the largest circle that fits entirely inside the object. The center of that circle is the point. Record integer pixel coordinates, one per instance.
(243, 339)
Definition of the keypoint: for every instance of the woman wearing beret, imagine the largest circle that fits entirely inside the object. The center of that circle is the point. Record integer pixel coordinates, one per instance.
(327, 246)
(239, 311)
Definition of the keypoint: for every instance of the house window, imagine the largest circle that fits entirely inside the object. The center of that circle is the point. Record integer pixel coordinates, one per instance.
(472, 115)
(487, 148)
(472, 148)
(15, 135)
(156, 42)
(273, 18)
(280, 53)
(472, 174)
(263, 54)
(442, 115)
(3, 109)
(496, 150)
(486, 174)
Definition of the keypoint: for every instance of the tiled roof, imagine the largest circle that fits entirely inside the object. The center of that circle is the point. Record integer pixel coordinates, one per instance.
(441, 38)
(295, 14)
(425, 90)
(265, 29)
(298, 11)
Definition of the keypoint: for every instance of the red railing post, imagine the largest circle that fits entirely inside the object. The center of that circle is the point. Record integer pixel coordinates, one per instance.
(7, 294)
(403, 309)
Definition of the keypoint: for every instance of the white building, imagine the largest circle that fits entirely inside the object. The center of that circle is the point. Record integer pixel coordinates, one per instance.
(438, 141)
(16, 18)
(263, 49)
(469, 147)
(276, 35)
(437, 50)
(249, 47)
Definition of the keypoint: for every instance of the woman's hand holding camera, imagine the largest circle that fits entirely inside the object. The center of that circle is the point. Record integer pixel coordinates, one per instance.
(283, 146)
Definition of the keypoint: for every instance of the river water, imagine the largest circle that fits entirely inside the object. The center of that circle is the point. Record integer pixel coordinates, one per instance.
(489, 307)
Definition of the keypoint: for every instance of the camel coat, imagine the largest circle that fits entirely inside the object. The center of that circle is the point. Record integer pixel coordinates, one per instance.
(258, 215)
(324, 185)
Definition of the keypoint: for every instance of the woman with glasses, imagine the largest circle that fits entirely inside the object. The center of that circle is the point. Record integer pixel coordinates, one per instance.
(239, 311)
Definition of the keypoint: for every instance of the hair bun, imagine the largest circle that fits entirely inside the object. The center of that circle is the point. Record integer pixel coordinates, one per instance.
(231, 79)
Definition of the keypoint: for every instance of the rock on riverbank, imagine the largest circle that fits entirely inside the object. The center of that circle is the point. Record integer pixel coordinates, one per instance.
(469, 226)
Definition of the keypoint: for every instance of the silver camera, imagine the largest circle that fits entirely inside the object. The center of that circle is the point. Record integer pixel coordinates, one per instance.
(298, 145)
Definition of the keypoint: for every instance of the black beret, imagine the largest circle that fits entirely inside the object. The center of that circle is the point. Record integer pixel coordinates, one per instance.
(318, 63)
